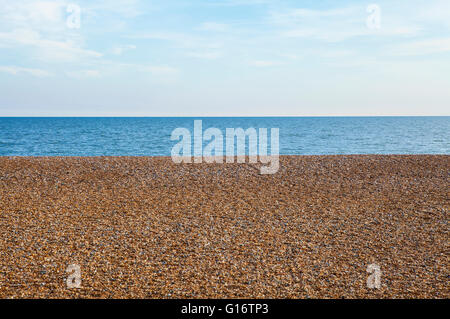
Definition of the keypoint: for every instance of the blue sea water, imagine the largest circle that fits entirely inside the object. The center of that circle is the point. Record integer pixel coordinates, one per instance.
(151, 136)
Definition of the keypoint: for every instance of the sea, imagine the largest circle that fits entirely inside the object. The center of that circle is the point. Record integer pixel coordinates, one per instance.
(151, 136)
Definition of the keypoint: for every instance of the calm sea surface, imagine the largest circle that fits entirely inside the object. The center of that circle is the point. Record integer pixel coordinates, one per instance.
(151, 136)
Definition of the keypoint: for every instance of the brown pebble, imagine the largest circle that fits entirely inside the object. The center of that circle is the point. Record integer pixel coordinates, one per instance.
(148, 228)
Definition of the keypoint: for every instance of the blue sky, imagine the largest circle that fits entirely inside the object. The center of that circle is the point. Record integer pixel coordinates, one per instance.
(224, 58)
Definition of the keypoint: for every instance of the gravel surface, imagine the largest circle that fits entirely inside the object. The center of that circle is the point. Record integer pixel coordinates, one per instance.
(148, 228)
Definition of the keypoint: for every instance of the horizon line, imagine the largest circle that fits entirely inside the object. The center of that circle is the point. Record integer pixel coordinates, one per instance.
(209, 116)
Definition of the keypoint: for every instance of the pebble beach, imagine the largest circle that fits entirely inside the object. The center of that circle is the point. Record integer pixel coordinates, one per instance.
(145, 227)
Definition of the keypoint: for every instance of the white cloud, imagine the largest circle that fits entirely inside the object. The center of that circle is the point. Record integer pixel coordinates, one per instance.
(180, 39)
(264, 63)
(206, 55)
(308, 13)
(44, 16)
(48, 50)
(39, 29)
(339, 24)
(159, 70)
(15, 70)
(423, 47)
(119, 50)
(336, 53)
(126, 8)
(214, 26)
(44, 11)
(84, 74)
(111, 69)
(236, 3)
(113, 66)
(290, 56)
(437, 12)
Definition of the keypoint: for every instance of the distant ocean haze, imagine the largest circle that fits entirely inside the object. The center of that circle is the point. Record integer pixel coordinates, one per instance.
(152, 136)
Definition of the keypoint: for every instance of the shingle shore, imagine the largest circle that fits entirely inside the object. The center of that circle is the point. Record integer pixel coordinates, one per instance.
(148, 228)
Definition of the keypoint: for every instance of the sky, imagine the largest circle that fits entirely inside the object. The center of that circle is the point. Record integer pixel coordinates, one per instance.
(224, 58)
